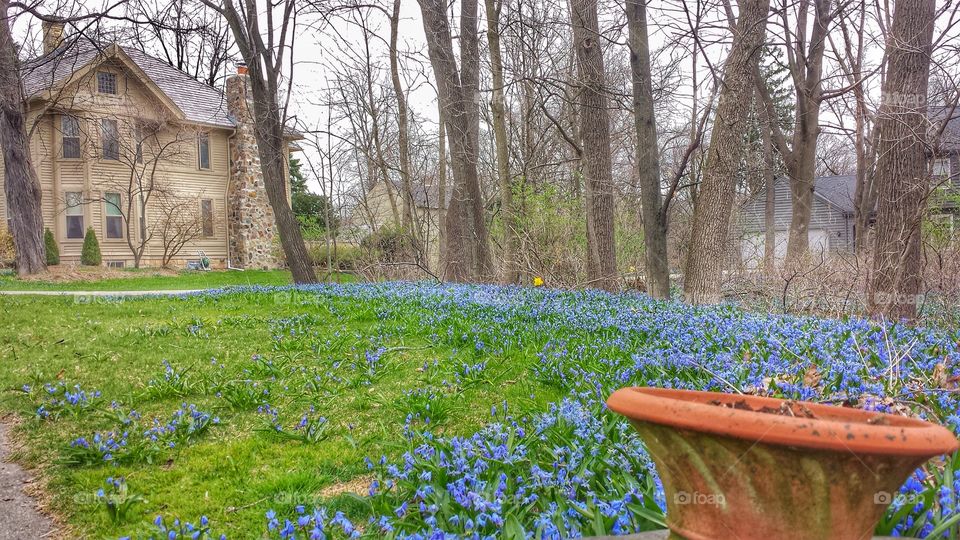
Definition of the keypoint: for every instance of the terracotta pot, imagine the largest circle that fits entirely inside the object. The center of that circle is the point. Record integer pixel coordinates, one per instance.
(748, 467)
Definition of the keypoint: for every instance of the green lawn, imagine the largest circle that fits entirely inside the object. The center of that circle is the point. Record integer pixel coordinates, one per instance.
(352, 361)
(485, 402)
(146, 280)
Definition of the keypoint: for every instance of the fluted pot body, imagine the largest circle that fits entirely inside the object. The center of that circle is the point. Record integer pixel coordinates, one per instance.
(750, 467)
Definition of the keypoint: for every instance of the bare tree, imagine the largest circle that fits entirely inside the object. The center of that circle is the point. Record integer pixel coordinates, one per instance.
(511, 273)
(595, 137)
(186, 34)
(145, 150)
(177, 223)
(265, 49)
(648, 154)
(901, 174)
(805, 62)
(850, 54)
(767, 171)
(466, 247)
(403, 129)
(22, 185)
(709, 240)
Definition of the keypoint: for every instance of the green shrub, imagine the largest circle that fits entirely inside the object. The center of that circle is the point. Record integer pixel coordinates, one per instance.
(8, 251)
(50, 245)
(389, 244)
(90, 256)
(346, 257)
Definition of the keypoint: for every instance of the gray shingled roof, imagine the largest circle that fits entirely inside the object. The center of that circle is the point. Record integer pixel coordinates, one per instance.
(200, 103)
(838, 190)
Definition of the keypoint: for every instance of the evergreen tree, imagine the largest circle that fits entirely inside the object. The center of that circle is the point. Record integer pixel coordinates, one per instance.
(310, 208)
(50, 244)
(90, 256)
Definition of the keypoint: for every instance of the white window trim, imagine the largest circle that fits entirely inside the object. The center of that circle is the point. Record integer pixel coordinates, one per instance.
(116, 83)
(200, 137)
(66, 215)
(106, 216)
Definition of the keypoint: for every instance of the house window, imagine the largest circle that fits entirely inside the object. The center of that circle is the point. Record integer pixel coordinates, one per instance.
(70, 136)
(941, 167)
(110, 139)
(74, 200)
(206, 216)
(106, 82)
(111, 206)
(941, 173)
(203, 150)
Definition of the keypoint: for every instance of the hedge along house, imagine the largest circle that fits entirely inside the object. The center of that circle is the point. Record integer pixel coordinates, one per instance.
(160, 165)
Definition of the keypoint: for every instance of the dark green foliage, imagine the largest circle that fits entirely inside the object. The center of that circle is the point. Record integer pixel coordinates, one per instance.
(90, 256)
(312, 210)
(50, 245)
(390, 244)
(345, 258)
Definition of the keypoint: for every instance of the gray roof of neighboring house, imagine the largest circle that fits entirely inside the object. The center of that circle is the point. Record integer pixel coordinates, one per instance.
(837, 190)
(200, 103)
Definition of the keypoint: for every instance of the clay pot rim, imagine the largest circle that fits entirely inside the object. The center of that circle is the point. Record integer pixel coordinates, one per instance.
(834, 428)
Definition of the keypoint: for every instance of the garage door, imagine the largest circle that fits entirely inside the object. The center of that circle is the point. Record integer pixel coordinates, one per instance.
(752, 246)
(819, 243)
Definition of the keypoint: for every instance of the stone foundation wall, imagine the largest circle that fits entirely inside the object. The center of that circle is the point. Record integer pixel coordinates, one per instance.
(251, 225)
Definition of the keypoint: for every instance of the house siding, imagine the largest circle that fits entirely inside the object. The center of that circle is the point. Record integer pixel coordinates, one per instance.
(95, 176)
(375, 205)
(824, 217)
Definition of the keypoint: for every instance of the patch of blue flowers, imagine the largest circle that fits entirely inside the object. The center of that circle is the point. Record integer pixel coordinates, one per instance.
(54, 399)
(576, 469)
(175, 529)
(134, 443)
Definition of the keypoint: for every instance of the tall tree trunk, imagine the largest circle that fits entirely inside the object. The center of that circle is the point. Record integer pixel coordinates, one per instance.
(22, 186)
(865, 194)
(595, 134)
(805, 61)
(265, 62)
(801, 172)
(864, 139)
(709, 241)
(901, 174)
(467, 251)
(694, 136)
(498, 107)
(272, 146)
(381, 160)
(648, 154)
(442, 181)
(403, 136)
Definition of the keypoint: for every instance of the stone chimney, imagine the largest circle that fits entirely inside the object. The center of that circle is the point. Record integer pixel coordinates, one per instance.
(250, 222)
(52, 34)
